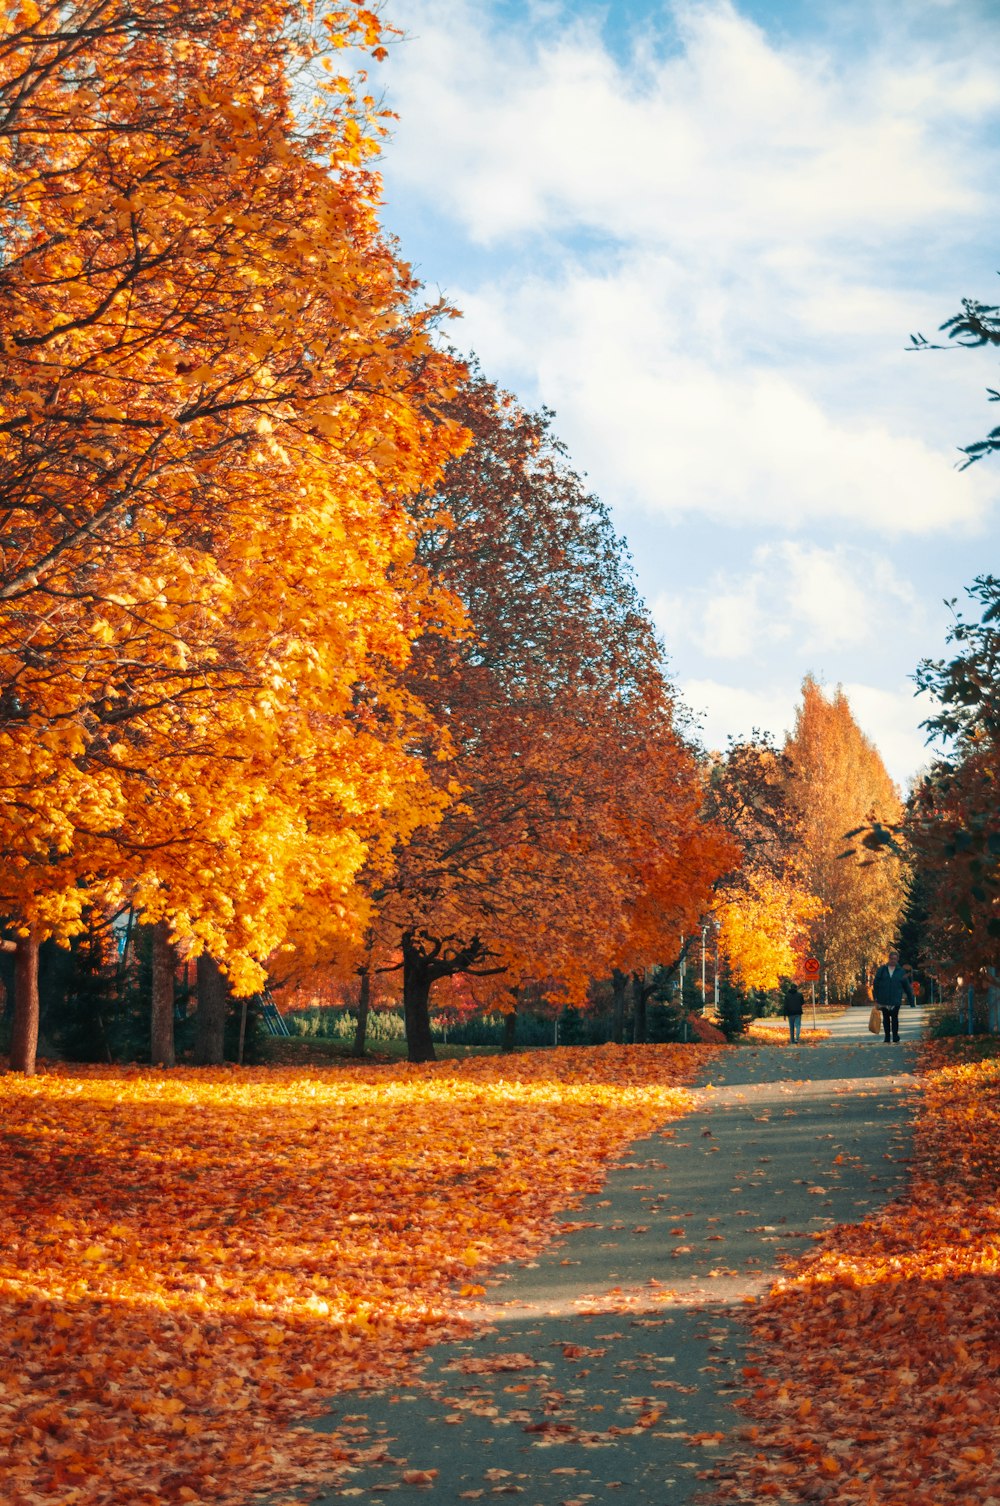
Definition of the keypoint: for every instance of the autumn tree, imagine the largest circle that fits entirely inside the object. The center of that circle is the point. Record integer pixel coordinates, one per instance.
(762, 905)
(952, 820)
(763, 930)
(748, 793)
(977, 325)
(950, 829)
(216, 392)
(565, 761)
(838, 782)
(674, 853)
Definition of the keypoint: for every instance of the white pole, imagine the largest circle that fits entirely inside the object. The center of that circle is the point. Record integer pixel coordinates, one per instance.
(716, 969)
(704, 995)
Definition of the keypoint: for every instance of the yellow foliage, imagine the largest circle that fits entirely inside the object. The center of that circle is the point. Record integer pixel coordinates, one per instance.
(840, 783)
(217, 392)
(762, 927)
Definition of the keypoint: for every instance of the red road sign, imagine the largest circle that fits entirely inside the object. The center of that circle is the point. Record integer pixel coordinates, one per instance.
(811, 967)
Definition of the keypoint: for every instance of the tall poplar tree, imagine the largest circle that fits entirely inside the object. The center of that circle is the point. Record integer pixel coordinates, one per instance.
(837, 783)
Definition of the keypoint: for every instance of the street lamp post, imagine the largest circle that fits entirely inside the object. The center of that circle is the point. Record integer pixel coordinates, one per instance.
(716, 967)
(704, 997)
(714, 925)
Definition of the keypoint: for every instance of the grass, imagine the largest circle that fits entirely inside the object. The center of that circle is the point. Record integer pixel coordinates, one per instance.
(297, 1051)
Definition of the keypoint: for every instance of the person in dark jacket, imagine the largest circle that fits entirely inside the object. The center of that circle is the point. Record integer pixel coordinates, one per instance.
(888, 987)
(793, 1007)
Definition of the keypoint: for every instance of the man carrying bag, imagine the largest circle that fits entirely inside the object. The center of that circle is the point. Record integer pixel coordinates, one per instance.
(888, 987)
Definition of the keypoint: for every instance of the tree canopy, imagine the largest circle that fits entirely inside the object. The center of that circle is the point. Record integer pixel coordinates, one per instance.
(218, 389)
(953, 818)
(575, 795)
(840, 781)
(978, 324)
(762, 906)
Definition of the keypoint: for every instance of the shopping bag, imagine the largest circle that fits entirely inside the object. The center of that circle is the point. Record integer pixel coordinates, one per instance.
(875, 1020)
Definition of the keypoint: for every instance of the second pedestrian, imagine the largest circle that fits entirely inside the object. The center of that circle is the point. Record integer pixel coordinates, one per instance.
(793, 1006)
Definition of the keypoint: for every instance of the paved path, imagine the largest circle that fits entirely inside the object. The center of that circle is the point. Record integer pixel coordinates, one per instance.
(605, 1358)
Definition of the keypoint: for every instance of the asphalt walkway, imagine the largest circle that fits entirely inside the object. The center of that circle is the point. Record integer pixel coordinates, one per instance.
(606, 1369)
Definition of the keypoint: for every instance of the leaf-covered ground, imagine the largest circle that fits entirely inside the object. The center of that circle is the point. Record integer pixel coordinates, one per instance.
(193, 1257)
(878, 1365)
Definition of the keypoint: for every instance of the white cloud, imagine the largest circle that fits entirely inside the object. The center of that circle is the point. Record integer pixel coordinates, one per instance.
(730, 621)
(889, 717)
(818, 600)
(707, 254)
(724, 710)
(730, 142)
(678, 437)
(666, 408)
(662, 424)
(731, 346)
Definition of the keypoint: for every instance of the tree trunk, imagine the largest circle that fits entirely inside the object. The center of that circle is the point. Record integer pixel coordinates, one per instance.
(24, 1034)
(244, 1011)
(364, 1003)
(639, 997)
(509, 1029)
(416, 1004)
(619, 983)
(210, 1024)
(161, 1034)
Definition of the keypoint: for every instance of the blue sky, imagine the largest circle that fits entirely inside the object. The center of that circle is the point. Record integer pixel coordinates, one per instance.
(702, 233)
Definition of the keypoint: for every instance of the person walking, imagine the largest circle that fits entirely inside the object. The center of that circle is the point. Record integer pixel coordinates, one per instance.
(888, 987)
(793, 1006)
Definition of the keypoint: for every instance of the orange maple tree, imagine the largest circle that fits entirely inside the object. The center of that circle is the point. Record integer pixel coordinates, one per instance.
(217, 390)
(952, 823)
(572, 792)
(762, 906)
(673, 854)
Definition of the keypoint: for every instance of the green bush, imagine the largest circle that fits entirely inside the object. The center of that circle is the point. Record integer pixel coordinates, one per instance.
(331, 1024)
(735, 1010)
(767, 1002)
(951, 1017)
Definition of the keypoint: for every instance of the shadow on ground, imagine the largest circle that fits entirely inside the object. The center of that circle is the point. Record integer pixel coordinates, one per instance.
(606, 1370)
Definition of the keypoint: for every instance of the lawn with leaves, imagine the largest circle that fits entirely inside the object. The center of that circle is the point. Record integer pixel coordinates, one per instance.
(878, 1358)
(194, 1258)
